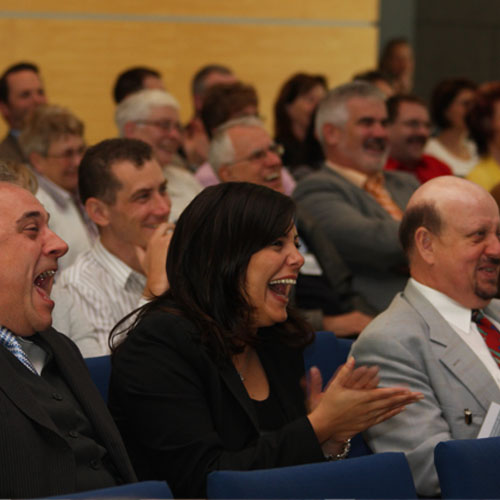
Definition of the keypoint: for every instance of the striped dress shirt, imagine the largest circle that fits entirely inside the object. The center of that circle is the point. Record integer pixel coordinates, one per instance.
(92, 295)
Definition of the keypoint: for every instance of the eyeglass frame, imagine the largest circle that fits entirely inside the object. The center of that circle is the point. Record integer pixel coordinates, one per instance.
(164, 125)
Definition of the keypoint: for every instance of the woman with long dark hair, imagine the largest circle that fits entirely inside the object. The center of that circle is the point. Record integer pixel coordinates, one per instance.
(209, 377)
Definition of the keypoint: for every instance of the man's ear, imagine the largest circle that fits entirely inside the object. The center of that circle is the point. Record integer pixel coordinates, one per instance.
(98, 211)
(331, 133)
(4, 109)
(424, 244)
(224, 173)
(38, 162)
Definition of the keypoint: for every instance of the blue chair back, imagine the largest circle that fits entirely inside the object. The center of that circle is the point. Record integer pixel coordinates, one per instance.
(468, 468)
(143, 489)
(100, 372)
(328, 352)
(385, 475)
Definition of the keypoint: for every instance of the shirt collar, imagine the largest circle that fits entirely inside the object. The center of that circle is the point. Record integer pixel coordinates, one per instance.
(123, 274)
(454, 313)
(350, 174)
(60, 195)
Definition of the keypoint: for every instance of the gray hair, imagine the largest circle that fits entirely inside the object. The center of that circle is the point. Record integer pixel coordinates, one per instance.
(138, 106)
(221, 147)
(19, 174)
(333, 108)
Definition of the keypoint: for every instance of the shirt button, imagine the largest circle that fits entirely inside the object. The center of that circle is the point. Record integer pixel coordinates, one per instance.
(73, 434)
(57, 396)
(95, 464)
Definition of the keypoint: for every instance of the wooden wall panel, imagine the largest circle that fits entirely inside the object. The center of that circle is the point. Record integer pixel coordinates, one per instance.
(80, 57)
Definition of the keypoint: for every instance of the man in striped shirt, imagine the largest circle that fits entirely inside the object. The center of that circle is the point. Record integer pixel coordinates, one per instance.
(125, 193)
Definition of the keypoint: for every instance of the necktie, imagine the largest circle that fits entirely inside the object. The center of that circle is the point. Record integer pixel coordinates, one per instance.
(489, 332)
(10, 342)
(374, 185)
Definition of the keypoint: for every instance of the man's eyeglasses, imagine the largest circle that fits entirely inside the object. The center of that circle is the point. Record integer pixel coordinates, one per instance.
(260, 154)
(69, 154)
(165, 125)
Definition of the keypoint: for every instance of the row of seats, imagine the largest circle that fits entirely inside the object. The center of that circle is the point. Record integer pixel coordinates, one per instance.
(465, 467)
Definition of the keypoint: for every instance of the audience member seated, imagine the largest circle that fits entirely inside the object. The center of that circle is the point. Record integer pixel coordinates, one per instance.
(440, 335)
(450, 103)
(125, 194)
(243, 151)
(409, 127)
(56, 434)
(52, 140)
(484, 125)
(135, 79)
(196, 141)
(377, 78)
(221, 104)
(209, 377)
(294, 122)
(352, 201)
(398, 63)
(152, 116)
(21, 91)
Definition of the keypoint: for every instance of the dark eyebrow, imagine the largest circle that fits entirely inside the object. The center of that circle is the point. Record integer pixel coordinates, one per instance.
(29, 215)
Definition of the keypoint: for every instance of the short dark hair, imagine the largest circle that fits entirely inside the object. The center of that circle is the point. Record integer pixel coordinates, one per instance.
(421, 215)
(223, 102)
(131, 80)
(444, 94)
(395, 101)
(15, 68)
(214, 239)
(95, 178)
(198, 82)
(480, 117)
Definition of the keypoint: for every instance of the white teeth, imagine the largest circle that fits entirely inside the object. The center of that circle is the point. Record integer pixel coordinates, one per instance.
(46, 274)
(286, 281)
(273, 176)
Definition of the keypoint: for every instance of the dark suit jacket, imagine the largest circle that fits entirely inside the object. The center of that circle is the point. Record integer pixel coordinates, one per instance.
(35, 460)
(182, 416)
(10, 149)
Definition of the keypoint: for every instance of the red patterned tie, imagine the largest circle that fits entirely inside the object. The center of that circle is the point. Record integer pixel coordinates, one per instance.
(489, 332)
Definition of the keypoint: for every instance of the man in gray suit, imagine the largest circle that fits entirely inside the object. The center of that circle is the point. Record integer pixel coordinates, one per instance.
(429, 339)
(350, 200)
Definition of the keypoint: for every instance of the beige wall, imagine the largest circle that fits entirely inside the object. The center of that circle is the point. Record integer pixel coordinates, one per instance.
(81, 48)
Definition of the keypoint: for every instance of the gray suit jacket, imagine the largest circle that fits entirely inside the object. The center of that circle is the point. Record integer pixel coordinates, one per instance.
(365, 235)
(415, 347)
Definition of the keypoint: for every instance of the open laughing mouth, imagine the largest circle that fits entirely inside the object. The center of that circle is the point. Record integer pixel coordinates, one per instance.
(281, 287)
(43, 283)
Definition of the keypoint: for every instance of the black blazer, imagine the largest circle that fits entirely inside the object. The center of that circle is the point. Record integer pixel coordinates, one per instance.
(34, 458)
(182, 416)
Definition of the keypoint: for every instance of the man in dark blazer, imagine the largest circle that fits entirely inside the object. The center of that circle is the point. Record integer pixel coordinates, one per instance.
(428, 339)
(56, 435)
(21, 91)
(351, 200)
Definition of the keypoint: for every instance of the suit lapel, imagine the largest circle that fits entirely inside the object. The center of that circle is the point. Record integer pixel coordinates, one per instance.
(454, 353)
(19, 393)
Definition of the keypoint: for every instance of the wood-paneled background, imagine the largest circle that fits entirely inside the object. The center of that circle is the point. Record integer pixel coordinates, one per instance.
(82, 46)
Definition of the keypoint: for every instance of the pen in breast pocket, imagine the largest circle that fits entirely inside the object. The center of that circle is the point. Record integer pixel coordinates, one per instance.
(468, 416)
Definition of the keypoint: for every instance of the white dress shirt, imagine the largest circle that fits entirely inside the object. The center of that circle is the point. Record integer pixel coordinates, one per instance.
(460, 320)
(92, 295)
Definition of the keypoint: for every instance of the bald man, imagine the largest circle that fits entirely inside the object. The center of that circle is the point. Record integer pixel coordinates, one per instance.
(428, 338)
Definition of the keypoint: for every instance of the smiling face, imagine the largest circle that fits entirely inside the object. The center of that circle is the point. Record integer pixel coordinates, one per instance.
(254, 158)
(270, 275)
(409, 132)
(24, 95)
(458, 108)
(361, 143)
(161, 130)
(61, 162)
(141, 204)
(466, 255)
(29, 251)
